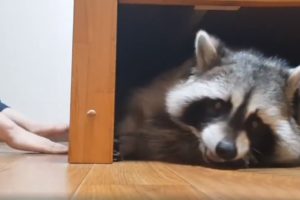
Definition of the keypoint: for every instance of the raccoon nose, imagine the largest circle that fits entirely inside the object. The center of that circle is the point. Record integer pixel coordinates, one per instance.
(226, 150)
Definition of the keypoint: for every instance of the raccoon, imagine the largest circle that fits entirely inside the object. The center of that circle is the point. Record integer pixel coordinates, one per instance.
(220, 107)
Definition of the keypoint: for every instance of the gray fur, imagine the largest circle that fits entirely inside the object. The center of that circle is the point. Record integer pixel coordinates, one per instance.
(154, 128)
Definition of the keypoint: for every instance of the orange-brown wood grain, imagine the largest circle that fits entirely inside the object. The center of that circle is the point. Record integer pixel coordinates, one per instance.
(93, 81)
(247, 3)
(236, 185)
(155, 180)
(39, 176)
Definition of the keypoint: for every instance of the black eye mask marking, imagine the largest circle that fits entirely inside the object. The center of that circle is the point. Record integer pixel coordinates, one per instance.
(262, 138)
(200, 112)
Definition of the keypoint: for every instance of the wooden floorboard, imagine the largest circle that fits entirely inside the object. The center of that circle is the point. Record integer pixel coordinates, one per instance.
(230, 184)
(138, 192)
(136, 180)
(38, 176)
(293, 172)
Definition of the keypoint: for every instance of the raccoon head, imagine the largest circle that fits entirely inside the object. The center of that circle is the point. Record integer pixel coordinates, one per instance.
(239, 104)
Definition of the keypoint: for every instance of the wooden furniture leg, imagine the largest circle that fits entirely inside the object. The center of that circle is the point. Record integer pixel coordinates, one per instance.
(93, 81)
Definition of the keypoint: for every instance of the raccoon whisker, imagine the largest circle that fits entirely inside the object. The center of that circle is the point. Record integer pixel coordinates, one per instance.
(256, 151)
(204, 154)
(246, 161)
(252, 158)
(205, 159)
(185, 127)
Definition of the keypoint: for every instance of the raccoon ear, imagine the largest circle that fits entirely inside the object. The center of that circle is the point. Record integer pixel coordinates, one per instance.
(206, 49)
(293, 82)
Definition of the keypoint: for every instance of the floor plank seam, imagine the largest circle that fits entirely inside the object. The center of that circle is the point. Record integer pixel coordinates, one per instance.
(188, 183)
(82, 182)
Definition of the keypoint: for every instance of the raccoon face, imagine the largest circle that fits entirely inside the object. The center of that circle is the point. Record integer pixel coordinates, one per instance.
(238, 104)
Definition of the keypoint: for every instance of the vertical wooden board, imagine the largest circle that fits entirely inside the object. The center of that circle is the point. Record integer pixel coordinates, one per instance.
(93, 81)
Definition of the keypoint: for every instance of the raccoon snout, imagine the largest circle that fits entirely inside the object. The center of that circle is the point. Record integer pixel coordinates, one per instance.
(226, 150)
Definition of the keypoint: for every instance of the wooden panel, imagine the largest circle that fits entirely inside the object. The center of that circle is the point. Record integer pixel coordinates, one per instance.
(248, 3)
(93, 81)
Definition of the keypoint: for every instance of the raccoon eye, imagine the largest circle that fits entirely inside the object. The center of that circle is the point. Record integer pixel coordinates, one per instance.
(254, 124)
(201, 112)
(261, 136)
(213, 107)
(218, 105)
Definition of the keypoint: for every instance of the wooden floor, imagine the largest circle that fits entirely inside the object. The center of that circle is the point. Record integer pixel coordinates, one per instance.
(35, 176)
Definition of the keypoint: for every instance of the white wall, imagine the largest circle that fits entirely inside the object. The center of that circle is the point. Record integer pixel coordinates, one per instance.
(35, 57)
